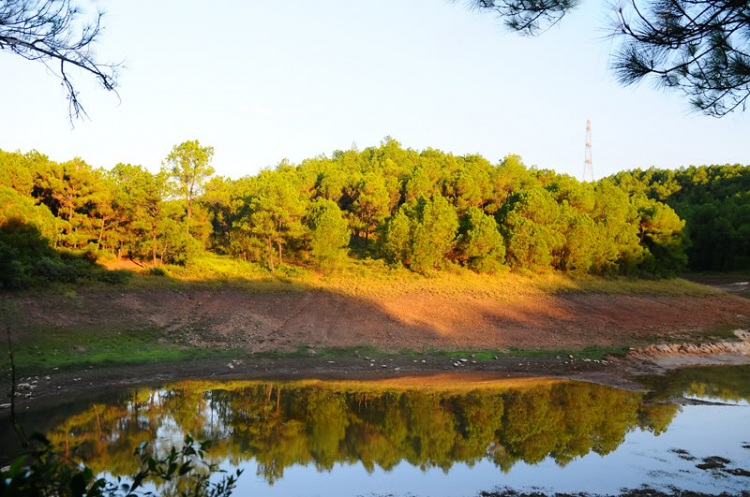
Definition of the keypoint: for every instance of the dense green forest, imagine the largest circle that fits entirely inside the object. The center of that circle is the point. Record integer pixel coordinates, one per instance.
(715, 202)
(423, 210)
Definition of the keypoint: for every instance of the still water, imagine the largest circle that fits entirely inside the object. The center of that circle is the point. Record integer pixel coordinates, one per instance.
(435, 436)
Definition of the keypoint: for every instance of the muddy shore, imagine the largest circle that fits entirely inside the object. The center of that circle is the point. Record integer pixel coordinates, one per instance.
(49, 386)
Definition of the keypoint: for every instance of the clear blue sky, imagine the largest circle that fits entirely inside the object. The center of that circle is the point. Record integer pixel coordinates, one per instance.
(266, 80)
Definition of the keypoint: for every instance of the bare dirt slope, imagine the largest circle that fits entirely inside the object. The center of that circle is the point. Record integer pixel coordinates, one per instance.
(232, 317)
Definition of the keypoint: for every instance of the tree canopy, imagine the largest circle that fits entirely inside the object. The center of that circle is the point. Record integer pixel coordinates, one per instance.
(701, 47)
(423, 210)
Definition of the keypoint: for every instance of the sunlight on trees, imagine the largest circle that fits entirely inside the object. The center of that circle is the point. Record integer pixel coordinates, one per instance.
(423, 210)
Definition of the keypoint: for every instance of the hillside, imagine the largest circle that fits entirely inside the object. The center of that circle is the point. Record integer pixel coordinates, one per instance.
(162, 319)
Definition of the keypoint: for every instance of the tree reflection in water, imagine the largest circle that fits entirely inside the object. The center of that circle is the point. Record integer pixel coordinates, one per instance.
(280, 424)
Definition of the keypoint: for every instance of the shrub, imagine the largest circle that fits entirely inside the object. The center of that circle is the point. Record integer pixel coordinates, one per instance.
(116, 277)
(13, 273)
(62, 270)
(291, 271)
(157, 271)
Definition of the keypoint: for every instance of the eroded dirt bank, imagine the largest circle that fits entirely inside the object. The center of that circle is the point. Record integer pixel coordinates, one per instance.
(663, 331)
(233, 318)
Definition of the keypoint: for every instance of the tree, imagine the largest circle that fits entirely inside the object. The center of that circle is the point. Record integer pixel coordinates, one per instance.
(701, 47)
(532, 230)
(56, 32)
(662, 236)
(434, 233)
(330, 233)
(276, 210)
(397, 243)
(372, 204)
(482, 243)
(190, 167)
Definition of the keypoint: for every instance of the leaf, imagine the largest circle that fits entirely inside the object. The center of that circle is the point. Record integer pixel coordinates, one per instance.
(17, 466)
(185, 468)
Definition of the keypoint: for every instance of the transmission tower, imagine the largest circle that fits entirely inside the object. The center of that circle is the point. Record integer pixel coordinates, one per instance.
(588, 165)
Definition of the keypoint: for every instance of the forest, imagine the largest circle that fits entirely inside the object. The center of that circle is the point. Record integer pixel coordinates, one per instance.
(422, 210)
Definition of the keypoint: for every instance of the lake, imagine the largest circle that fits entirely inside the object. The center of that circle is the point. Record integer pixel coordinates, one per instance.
(441, 435)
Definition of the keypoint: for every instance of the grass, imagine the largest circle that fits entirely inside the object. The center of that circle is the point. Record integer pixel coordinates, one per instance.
(50, 348)
(61, 348)
(373, 278)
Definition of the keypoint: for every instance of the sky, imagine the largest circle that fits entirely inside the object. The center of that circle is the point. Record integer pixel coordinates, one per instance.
(261, 81)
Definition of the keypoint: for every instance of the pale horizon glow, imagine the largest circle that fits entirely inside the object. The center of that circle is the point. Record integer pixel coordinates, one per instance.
(264, 81)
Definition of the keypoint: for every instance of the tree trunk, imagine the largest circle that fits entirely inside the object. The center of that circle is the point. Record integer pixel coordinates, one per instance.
(270, 256)
(189, 213)
(101, 233)
(281, 261)
(153, 247)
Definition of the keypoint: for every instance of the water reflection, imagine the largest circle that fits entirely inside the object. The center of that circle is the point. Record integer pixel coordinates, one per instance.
(427, 423)
(720, 383)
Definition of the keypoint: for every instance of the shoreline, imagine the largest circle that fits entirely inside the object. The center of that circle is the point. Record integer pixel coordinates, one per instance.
(49, 385)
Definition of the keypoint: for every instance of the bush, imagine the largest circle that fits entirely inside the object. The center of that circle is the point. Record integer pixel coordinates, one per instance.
(291, 271)
(116, 277)
(157, 271)
(49, 471)
(13, 273)
(67, 270)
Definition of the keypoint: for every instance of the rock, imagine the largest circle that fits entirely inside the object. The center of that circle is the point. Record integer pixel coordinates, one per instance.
(24, 386)
(455, 364)
(230, 365)
(371, 364)
(397, 369)
(4, 406)
(424, 362)
(464, 360)
(570, 356)
(331, 362)
(496, 358)
(47, 378)
(558, 358)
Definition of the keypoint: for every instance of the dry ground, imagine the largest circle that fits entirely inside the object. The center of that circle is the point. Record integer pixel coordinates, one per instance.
(231, 317)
